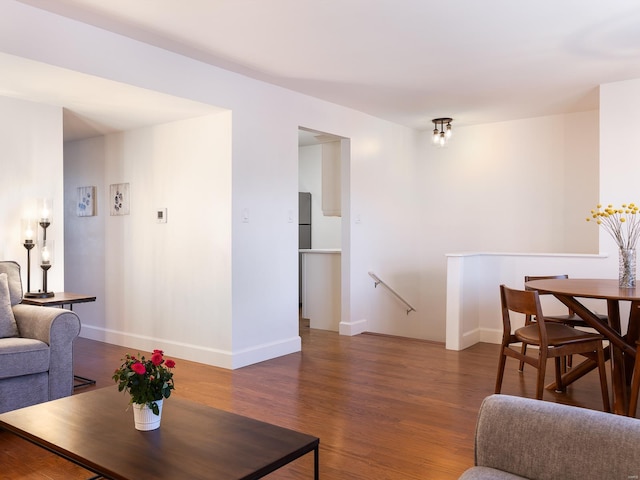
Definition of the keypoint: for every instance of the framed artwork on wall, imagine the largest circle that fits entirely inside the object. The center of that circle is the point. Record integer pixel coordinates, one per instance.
(86, 206)
(119, 198)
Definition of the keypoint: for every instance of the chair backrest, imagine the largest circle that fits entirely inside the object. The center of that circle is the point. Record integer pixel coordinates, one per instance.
(12, 269)
(528, 278)
(526, 302)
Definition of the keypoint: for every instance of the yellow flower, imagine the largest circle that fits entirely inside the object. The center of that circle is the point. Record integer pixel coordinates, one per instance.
(621, 223)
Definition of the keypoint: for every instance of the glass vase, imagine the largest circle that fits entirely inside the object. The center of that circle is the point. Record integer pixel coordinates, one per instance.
(627, 268)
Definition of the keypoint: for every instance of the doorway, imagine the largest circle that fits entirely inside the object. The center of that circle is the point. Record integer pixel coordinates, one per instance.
(322, 161)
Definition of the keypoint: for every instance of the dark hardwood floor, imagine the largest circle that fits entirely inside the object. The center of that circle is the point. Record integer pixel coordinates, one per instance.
(383, 407)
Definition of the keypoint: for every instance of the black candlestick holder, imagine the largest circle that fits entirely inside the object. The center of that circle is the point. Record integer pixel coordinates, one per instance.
(45, 294)
(28, 244)
(46, 258)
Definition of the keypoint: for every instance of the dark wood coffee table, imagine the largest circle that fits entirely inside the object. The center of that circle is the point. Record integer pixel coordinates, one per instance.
(195, 441)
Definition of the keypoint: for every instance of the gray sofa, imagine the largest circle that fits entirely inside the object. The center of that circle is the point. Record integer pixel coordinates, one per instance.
(524, 438)
(36, 361)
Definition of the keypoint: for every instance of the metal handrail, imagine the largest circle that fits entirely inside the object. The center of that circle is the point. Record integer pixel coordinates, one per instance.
(379, 281)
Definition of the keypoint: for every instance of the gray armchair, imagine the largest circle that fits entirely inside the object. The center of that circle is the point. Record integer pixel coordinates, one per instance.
(37, 365)
(522, 438)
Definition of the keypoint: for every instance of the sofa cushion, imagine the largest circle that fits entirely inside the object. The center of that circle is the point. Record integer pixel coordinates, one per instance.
(12, 269)
(8, 327)
(22, 356)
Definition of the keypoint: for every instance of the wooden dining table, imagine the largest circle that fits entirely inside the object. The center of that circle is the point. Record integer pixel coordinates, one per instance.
(622, 345)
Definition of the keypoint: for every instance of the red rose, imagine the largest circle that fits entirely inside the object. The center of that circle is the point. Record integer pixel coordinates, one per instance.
(159, 351)
(170, 363)
(156, 358)
(138, 368)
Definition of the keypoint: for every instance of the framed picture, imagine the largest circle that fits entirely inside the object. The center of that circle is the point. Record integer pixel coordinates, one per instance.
(86, 206)
(119, 198)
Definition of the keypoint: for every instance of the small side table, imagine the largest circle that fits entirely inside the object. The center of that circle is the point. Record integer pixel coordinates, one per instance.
(60, 299)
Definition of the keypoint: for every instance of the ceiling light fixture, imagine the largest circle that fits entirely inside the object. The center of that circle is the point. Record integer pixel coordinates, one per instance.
(441, 131)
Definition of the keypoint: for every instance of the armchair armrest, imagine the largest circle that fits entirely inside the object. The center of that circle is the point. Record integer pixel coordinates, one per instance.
(47, 324)
(58, 328)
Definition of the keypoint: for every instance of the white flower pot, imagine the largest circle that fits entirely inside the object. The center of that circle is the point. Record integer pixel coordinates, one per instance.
(144, 418)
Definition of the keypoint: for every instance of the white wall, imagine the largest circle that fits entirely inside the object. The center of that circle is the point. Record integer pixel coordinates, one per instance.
(473, 312)
(85, 237)
(497, 187)
(31, 162)
(325, 231)
(473, 299)
(619, 147)
(504, 187)
(166, 284)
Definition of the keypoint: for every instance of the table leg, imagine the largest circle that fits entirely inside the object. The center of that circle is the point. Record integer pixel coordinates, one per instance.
(619, 345)
(82, 381)
(316, 462)
(633, 335)
(618, 377)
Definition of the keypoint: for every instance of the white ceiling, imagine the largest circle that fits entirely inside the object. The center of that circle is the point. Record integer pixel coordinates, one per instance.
(407, 61)
(92, 106)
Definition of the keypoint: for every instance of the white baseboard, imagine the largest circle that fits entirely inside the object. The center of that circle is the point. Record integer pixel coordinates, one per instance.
(195, 353)
(352, 328)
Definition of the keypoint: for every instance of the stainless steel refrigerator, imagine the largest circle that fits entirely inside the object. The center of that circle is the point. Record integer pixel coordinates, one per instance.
(304, 232)
(304, 219)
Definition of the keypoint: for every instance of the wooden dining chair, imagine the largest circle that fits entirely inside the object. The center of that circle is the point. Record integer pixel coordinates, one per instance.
(635, 384)
(554, 340)
(570, 318)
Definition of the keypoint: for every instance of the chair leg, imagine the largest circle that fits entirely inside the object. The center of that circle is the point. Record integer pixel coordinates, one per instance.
(523, 350)
(527, 321)
(501, 364)
(542, 364)
(633, 401)
(560, 369)
(603, 380)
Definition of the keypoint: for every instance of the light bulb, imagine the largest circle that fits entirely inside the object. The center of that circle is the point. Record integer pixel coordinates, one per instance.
(443, 139)
(436, 135)
(448, 130)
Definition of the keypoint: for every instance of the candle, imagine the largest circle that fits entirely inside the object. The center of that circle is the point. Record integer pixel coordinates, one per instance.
(44, 208)
(28, 225)
(46, 256)
(28, 234)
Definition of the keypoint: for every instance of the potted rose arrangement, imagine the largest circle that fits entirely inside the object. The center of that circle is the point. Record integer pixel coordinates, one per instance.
(148, 382)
